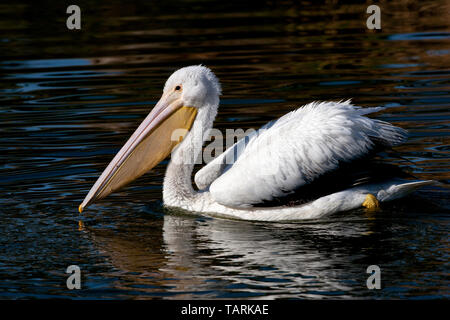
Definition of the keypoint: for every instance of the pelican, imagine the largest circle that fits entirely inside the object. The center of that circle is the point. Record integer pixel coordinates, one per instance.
(292, 155)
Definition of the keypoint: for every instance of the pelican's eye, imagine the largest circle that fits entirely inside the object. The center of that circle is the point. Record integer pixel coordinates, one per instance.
(177, 88)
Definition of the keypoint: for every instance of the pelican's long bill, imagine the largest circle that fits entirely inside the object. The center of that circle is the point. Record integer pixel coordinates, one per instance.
(147, 146)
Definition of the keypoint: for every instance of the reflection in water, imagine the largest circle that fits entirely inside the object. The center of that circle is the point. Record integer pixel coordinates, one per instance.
(69, 100)
(208, 258)
(256, 259)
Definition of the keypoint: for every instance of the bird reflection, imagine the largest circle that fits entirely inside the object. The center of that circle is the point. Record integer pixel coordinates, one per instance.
(195, 257)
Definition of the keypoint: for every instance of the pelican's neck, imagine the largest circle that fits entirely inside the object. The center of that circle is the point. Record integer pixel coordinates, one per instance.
(177, 188)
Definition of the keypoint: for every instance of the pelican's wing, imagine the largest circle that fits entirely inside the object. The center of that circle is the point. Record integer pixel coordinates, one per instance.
(293, 151)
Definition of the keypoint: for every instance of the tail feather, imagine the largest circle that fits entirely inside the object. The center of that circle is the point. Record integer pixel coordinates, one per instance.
(389, 135)
(400, 190)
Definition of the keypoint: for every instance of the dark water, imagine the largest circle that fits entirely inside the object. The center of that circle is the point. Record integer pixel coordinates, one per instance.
(70, 99)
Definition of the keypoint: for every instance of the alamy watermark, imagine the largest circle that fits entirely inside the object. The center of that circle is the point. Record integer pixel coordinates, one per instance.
(74, 20)
(226, 148)
(374, 280)
(374, 20)
(74, 280)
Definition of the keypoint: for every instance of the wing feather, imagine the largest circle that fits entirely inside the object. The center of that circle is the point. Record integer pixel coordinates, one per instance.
(293, 151)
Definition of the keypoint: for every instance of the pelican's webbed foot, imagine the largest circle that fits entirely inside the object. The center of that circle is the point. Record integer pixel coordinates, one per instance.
(371, 202)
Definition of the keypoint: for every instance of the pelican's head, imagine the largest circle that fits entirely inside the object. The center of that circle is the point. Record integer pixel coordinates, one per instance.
(188, 92)
(196, 86)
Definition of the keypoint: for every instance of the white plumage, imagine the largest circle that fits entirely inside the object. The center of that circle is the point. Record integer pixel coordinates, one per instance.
(284, 155)
(296, 149)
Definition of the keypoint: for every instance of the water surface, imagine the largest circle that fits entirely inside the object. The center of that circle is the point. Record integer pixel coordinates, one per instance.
(70, 99)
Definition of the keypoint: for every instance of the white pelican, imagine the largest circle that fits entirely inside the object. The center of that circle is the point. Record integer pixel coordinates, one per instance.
(292, 153)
